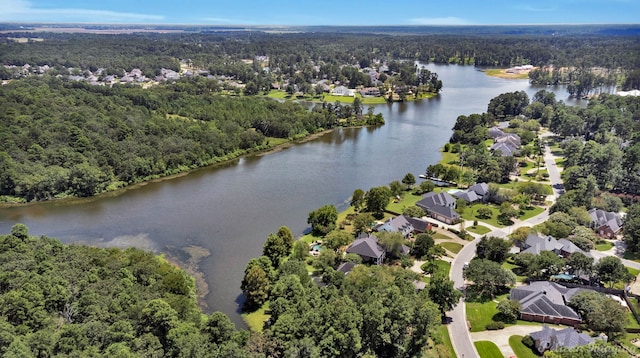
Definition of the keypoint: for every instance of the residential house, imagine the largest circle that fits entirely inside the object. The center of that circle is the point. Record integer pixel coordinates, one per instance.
(367, 247)
(476, 192)
(507, 143)
(506, 149)
(481, 190)
(346, 267)
(343, 91)
(419, 225)
(397, 224)
(552, 339)
(369, 92)
(495, 132)
(466, 195)
(546, 302)
(605, 223)
(440, 206)
(535, 244)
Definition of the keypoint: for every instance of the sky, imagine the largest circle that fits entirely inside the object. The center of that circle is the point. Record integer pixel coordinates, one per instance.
(325, 12)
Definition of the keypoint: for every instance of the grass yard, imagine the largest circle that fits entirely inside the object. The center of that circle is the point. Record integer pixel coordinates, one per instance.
(452, 246)
(443, 266)
(510, 266)
(487, 349)
(471, 211)
(408, 199)
(441, 343)
(480, 230)
(450, 158)
(605, 246)
(525, 169)
(560, 162)
(255, 320)
(519, 348)
(479, 314)
(529, 213)
(277, 94)
(440, 236)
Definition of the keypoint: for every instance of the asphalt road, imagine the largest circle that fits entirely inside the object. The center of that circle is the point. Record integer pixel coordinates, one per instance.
(458, 328)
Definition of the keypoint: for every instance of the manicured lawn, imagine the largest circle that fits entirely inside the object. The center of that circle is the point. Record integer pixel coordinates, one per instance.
(480, 314)
(487, 349)
(278, 94)
(519, 348)
(525, 169)
(255, 320)
(332, 99)
(452, 246)
(604, 246)
(529, 213)
(560, 162)
(408, 199)
(633, 271)
(510, 266)
(449, 158)
(276, 141)
(373, 100)
(481, 230)
(443, 266)
(471, 212)
(439, 236)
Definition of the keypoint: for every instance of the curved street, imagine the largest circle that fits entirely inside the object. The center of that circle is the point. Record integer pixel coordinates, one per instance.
(458, 328)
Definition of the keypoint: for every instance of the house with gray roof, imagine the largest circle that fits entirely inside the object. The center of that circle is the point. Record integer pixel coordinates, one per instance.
(440, 206)
(481, 190)
(346, 267)
(495, 132)
(506, 149)
(605, 223)
(535, 244)
(419, 225)
(467, 195)
(552, 339)
(507, 143)
(546, 302)
(367, 247)
(398, 224)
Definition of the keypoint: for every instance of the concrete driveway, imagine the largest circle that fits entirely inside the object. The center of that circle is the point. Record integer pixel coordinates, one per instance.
(501, 337)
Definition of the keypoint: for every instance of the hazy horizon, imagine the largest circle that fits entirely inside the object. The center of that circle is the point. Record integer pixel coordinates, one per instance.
(286, 13)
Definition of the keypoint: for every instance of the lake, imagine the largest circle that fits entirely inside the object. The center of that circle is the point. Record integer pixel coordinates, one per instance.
(228, 211)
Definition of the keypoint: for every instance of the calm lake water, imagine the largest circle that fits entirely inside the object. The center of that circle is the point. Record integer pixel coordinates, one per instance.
(230, 210)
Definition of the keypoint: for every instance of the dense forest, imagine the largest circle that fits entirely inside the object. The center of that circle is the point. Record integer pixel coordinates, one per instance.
(69, 138)
(288, 49)
(76, 301)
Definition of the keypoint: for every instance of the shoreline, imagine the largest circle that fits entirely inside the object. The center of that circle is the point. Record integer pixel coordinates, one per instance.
(137, 185)
(502, 73)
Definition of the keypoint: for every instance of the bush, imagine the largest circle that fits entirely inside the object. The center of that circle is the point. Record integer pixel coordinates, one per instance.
(494, 326)
(528, 341)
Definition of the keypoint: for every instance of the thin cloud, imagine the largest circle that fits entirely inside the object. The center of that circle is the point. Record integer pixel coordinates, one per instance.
(224, 20)
(21, 10)
(451, 20)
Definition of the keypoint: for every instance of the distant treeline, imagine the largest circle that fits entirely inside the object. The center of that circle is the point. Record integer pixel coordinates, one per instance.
(62, 138)
(151, 51)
